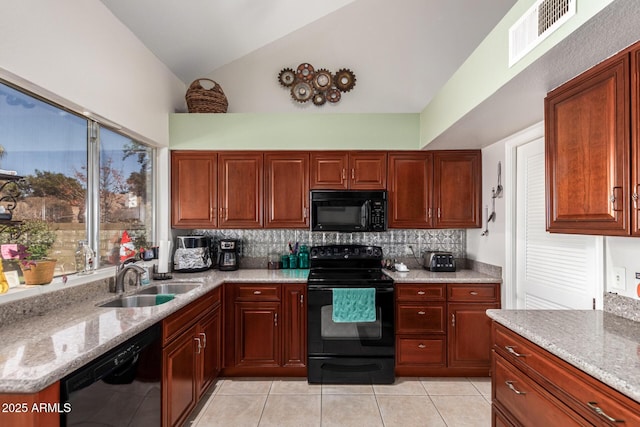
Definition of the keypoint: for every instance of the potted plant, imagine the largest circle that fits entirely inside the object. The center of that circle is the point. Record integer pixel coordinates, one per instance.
(32, 240)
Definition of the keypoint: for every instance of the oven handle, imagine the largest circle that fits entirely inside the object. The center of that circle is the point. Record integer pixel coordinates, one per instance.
(316, 288)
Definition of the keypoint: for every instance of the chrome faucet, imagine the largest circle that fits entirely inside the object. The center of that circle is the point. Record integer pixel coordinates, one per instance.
(121, 272)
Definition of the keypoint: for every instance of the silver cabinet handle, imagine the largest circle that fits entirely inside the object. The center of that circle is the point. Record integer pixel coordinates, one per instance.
(204, 339)
(421, 345)
(257, 292)
(421, 292)
(512, 388)
(453, 319)
(344, 175)
(199, 345)
(429, 213)
(438, 213)
(422, 313)
(275, 319)
(474, 293)
(301, 299)
(634, 196)
(510, 349)
(353, 174)
(595, 408)
(304, 212)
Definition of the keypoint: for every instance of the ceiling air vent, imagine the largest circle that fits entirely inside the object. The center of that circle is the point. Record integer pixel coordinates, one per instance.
(542, 19)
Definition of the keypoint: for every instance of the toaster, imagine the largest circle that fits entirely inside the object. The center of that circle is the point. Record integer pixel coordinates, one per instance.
(439, 261)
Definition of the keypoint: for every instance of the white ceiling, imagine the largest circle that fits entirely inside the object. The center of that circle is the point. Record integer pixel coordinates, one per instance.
(402, 51)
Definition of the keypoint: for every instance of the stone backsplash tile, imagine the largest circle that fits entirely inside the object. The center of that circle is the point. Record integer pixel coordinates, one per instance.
(394, 243)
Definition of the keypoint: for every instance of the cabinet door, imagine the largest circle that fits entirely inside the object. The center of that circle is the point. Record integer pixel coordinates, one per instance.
(209, 331)
(457, 183)
(295, 325)
(587, 152)
(287, 190)
(368, 170)
(329, 170)
(240, 189)
(635, 145)
(257, 337)
(469, 334)
(179, 394)
(193, 189)
(410, 188)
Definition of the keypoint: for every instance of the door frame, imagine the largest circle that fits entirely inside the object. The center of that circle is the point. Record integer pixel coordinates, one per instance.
(512, 143)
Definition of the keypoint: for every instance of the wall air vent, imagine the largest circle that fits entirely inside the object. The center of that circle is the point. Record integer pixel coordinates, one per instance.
(542, 19)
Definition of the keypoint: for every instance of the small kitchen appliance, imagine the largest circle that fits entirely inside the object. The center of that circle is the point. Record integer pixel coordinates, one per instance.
(348, 211)
(228, 255)
(439, 261)
(192, 254)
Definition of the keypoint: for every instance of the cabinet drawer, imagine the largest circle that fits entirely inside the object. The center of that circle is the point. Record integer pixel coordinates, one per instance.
(251, 292)
(420, 292)
(429, 351)
(471, 292)
(528, 402)
(586, 395)
(420, 318)
(181, 320)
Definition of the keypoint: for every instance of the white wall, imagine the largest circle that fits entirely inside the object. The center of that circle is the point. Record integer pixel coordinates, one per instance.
(78, 51)
(623, 252)
(490, 248)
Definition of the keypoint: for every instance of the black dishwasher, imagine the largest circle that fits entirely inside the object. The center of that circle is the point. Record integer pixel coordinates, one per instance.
(119, 388)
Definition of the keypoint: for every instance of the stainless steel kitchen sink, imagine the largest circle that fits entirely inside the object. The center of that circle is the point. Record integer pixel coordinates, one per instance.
(135, 301)
(169, 288)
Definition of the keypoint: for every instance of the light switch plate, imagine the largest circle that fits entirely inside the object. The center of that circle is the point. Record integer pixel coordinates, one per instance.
(618, 279)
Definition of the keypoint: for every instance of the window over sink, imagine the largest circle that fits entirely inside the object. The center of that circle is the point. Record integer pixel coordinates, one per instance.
(88, 181)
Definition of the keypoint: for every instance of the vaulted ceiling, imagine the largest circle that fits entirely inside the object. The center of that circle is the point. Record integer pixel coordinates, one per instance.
(401, 52)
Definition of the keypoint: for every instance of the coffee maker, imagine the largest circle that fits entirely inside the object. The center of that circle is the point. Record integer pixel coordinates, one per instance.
(228, 255)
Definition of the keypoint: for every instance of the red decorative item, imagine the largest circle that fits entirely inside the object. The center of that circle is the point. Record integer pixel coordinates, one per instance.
(127, 249)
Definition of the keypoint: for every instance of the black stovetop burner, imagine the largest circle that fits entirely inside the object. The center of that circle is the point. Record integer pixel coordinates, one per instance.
(347, 264)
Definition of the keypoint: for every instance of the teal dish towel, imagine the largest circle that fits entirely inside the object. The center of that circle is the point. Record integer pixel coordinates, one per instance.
(352, 305)
(162, 298)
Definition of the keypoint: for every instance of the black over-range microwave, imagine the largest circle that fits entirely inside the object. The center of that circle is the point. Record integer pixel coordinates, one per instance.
(348, 210)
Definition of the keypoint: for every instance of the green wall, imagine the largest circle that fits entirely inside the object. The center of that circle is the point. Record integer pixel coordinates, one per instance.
(487, 69)
(244, 131)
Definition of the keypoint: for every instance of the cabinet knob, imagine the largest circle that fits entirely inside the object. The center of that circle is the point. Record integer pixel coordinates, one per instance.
(595, 408)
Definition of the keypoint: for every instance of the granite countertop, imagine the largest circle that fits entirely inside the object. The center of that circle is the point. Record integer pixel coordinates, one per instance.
(599, 343)
(41, 349)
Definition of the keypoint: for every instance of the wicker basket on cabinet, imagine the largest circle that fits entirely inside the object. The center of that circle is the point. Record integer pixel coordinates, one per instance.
(201, 100)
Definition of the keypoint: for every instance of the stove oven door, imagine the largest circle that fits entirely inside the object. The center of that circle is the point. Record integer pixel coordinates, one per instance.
(328, 338)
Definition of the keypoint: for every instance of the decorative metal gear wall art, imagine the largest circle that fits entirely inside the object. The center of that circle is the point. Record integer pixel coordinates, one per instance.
(306, 83)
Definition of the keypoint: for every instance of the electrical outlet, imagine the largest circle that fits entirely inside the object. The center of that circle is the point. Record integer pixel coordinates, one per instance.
(619, 280)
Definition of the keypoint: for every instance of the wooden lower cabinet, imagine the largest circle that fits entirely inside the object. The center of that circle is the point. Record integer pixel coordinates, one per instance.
(443, 329)
(265, 329)
(190, 356)
(532, 387)
(17, 408)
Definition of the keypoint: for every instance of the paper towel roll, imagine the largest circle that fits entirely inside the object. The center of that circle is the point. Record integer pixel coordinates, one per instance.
(164, 248)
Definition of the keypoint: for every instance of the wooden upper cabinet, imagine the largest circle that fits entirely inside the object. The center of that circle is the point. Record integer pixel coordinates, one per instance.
(329, 170)
(193, 189)
(587, 145)
(410, 189)
(368, 170)
(635, 142)
(340, 170)
(286, 190)
(240, 191)
(457, 183)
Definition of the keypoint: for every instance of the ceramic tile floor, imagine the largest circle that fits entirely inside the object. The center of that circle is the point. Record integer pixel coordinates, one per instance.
(283, 402)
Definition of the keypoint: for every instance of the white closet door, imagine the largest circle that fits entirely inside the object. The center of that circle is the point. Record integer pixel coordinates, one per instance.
(554, 271)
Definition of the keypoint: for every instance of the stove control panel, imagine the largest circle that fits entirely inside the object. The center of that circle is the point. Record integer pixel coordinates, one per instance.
(345, 252)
